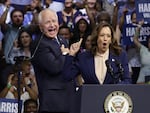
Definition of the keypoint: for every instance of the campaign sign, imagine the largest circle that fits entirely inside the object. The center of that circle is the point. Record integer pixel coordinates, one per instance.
(129, 31)
(143, 10)
(9, 105)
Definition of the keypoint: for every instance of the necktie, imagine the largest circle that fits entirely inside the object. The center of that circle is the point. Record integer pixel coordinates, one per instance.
(58, 41)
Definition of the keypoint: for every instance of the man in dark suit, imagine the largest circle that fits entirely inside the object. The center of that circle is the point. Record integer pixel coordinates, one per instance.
(48, 60)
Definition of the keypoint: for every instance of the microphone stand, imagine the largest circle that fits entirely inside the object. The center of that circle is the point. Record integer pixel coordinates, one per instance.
(18, 60)
(114, 75)
(110, 70)
(120, 70)
(18, 65)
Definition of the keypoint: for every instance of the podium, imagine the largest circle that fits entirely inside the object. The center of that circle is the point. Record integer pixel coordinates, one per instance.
(93, 98)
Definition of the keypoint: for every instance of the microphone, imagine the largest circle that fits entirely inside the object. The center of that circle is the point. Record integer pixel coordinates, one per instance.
(120, 67)
(115, 75)
(109, 68)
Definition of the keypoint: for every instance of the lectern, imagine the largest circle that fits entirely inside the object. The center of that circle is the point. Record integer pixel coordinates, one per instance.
(113, 99)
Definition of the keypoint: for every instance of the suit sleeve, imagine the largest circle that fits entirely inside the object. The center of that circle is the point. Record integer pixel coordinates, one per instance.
(70, 68)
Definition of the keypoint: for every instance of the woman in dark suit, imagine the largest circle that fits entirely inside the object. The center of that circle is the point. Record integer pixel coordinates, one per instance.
(105, 63)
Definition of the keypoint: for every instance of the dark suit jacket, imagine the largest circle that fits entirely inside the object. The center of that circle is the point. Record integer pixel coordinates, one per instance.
(84, 63)
(48, 62)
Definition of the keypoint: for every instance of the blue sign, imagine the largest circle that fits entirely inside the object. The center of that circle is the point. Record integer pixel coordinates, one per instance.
(9, 105)
(143, 10)
(129, 31)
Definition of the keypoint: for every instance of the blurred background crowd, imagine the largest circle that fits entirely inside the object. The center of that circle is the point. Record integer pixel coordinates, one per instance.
(77, 19)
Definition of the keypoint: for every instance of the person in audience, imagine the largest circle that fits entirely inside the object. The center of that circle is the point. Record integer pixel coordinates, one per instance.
(10, 31)
(103, 16)
(105, 63)
(91, 10)
(66, 33)
(48, 61)
(27, 83)
(30, 106)
(5, 6)
(31, 12)
(28, 74)
(27, 90)
(133, 54)
(17, 53)
(56, 5)
(144, 55)
(124, 13)
(88, 44)
(23, 45)
(68, 14)
(82, 30)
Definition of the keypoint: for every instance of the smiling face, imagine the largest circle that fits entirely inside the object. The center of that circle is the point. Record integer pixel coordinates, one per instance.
(48, 23)
(104, 39)
(31, 108)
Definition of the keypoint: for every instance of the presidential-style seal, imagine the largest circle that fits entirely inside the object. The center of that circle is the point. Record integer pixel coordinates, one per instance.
(118, 102)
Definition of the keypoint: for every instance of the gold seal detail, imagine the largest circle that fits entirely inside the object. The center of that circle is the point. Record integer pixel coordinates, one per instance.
(118, 102)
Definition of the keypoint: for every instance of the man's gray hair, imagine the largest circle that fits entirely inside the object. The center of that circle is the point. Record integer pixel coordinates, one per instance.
(40, 14)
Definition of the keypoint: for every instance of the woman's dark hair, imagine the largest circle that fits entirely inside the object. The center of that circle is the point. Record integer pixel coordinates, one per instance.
(19, 36)
(31, 101)
(76, 33)
(103, 16)
(114, 47)
(134, 12)
(76, 29)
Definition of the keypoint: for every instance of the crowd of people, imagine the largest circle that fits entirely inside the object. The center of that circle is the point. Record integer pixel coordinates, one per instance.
(54, 46)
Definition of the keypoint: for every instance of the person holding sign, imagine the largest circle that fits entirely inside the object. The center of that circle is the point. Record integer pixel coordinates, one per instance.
(144, 55)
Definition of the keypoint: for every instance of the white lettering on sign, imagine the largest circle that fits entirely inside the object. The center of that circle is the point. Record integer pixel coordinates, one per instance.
(144, 7)
(130, 31)
(146, 15)
(8, 107)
